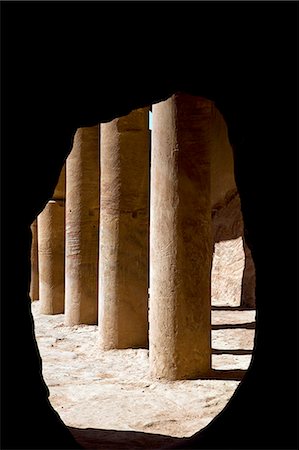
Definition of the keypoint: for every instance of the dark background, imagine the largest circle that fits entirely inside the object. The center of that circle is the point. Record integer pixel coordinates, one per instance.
(71, 64)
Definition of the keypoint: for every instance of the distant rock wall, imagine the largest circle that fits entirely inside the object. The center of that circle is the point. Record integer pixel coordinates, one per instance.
(233, 272)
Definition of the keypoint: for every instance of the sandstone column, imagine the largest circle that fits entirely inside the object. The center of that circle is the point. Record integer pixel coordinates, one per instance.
(123, 266)
(51, 225)
(34, 288)
(180, 239)
(82, 219)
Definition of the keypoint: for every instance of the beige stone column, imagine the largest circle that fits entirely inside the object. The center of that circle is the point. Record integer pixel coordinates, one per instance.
(123, 266)
(51, 224)
(180, 239)
(34, 288)
(82, 221)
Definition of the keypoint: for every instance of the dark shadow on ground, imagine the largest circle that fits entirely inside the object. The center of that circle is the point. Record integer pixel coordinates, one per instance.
(240, 351)
(225, 374)
(228, 326)
(237, 374)
(231, 308)
(91, 438)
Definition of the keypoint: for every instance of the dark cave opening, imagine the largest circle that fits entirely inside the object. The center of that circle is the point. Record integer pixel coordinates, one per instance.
(253, 89)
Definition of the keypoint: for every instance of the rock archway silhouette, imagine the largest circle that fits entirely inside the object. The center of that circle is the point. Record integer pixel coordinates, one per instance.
(62, 70)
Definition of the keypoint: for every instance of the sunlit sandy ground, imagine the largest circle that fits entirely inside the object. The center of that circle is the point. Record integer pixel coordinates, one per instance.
(96, 392)
(112, 390)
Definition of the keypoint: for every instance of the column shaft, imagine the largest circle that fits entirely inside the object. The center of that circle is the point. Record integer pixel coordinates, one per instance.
(34, 288)
(82, 221)
(180, 239)
(123, 267)
(51, 224)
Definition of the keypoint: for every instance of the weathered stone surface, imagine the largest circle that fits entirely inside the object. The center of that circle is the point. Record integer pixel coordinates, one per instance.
(227, 272)
(82, 221)
(123, 260)
(180, 239)
(51, 234)
(233, 274)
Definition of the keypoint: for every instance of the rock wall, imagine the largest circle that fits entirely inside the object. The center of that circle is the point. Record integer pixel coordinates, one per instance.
(233, 272)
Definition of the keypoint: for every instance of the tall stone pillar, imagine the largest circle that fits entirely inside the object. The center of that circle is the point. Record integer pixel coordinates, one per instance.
(82, 221)
(51, 224)
(123, 267)
(34, 288)
(180, 239)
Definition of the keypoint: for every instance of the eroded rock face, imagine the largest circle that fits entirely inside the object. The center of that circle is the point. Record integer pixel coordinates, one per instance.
(233, 272)
(227, 225)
